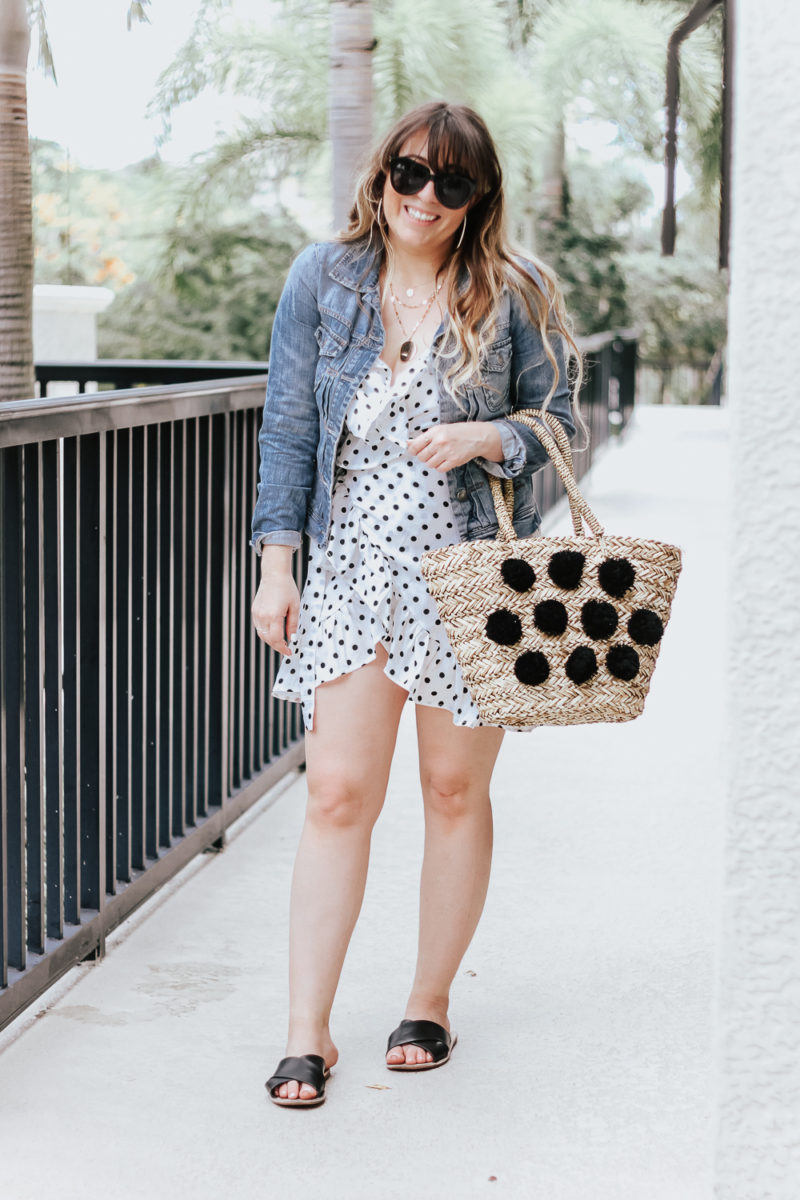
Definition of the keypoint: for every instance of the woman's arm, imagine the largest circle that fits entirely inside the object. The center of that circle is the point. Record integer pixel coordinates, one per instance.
(288, 450)
(290, 425)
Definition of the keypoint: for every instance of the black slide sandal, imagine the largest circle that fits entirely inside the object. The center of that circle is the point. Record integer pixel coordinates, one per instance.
(308, 1068)
(428, 1036)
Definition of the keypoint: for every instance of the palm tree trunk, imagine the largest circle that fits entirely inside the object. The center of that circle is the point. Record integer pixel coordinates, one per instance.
(16, 225)
(350, 98)
(551, 197)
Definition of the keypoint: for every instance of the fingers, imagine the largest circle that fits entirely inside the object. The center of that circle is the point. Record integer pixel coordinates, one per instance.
(293, 618)
(275, 611)
(274, 630)
(444, 447)
(428, 448)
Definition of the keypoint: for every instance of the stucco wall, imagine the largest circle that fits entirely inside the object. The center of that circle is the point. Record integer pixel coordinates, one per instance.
(758, 1149)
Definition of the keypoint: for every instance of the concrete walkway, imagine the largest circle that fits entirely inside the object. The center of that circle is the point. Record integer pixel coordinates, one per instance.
(584, 1007)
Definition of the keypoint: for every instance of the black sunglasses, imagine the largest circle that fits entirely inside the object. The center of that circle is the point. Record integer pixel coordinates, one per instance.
(452, 188)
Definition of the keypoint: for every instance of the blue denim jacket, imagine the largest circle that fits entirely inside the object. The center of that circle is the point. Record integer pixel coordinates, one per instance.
(327, 334)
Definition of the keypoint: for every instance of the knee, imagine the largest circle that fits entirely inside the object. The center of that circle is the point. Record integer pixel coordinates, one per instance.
(341, 802)
(449, 796)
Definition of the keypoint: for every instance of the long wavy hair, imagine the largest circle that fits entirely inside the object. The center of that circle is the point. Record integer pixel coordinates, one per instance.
(476, 271)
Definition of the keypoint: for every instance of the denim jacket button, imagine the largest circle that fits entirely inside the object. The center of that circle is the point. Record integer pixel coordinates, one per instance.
(461, 494)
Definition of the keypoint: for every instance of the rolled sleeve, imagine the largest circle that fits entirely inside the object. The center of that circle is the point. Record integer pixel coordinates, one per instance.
(514, 455)
(279, 537)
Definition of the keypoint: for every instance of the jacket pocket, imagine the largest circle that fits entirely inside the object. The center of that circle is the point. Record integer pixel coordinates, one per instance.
(491, 393)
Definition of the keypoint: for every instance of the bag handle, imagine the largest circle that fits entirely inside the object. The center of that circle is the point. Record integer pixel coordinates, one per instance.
(552, 435)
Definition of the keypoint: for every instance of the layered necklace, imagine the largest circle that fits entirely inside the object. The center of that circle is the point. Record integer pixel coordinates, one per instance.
(408, 349)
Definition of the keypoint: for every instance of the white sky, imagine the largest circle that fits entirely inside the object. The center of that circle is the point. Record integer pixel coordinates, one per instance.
(107, 76)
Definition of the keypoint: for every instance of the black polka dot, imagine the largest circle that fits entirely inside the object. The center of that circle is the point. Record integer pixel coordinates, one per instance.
(504, 627)
(532, 667)
(645, 627)
(581, 664)
(565, 568)
(616, 576)
(550, 616)
(518, 574)
(599, 619)
(623, 662)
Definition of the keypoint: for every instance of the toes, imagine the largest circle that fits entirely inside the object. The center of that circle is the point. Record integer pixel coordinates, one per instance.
(410, 1055)
(307, 1092)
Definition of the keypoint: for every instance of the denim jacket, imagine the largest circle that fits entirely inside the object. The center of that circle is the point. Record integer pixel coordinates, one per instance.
(327, 334)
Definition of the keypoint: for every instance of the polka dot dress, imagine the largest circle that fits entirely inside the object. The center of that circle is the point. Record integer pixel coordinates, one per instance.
(365, 586)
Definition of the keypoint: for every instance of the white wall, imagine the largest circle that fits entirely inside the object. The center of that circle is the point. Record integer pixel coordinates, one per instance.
(65, 321)
(758, 1148)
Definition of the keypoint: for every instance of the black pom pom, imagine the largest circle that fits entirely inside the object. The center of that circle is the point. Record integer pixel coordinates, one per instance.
(581, 664)
(645, 627)
(566, 568)
(504, 627)
(550, 616)
(599, 619)
(616, 575)
(518, 574)
(531, 667)
(623, 662)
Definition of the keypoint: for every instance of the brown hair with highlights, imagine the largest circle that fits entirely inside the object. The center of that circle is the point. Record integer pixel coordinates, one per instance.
(458, 137)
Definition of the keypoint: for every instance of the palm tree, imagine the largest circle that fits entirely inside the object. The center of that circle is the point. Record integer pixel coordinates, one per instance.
(609, 56)
(350, 97)
(16, 225)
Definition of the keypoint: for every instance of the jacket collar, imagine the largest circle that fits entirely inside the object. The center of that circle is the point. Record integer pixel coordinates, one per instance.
(358, 268)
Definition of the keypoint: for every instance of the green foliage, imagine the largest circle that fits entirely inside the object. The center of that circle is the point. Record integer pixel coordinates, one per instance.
(97, 227)
(586, 245)
(213, 295)
(200, 283)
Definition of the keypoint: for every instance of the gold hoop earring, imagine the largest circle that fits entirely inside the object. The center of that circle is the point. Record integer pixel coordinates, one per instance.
(463, 231)
(378, 213)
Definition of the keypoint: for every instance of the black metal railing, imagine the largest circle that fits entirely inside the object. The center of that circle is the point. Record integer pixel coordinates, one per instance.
(136, 720)
(119, 373)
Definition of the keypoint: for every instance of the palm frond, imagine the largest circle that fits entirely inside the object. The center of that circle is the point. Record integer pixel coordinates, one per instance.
(137, 11)
(38, 20)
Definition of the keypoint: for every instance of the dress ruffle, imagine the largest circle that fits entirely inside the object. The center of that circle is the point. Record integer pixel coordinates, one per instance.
(364, 587)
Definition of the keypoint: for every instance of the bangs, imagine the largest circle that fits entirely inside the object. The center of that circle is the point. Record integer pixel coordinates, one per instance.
(455, 141)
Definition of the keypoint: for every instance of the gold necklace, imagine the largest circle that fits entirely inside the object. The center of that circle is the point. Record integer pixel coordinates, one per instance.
(404, 303)
(408, 348)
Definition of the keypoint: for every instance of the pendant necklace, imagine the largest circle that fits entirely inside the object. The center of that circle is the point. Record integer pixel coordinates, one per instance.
(408, 348)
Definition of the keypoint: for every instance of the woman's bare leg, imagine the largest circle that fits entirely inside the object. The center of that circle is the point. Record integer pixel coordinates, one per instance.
(456, 766)
(348, 758)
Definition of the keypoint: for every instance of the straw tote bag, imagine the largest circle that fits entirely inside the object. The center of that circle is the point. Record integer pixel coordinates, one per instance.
(558, 630)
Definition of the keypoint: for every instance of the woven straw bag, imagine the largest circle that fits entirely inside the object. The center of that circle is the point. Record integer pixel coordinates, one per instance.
(554, 630)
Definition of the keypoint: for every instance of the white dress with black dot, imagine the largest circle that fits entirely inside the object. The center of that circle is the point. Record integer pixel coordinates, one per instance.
(365, 586)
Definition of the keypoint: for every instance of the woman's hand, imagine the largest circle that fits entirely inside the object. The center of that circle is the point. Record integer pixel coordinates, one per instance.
(276, 606)
(446, 446)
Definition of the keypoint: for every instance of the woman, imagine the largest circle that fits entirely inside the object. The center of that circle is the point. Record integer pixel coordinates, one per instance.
(397, 353)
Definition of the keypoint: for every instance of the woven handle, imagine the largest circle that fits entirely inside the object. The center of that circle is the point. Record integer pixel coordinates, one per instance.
(551, 434)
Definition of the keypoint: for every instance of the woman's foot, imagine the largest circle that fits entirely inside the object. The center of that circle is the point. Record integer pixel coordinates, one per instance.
(298, 1045)
(416, 1054)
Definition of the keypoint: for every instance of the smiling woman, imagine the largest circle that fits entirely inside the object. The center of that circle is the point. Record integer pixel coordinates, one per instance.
(398, 354)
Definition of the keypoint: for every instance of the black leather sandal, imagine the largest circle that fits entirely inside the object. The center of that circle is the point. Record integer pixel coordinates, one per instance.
(308, 1068)
(428, 1036)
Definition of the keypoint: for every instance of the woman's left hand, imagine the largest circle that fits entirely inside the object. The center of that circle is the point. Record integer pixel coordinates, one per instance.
(446, 446)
